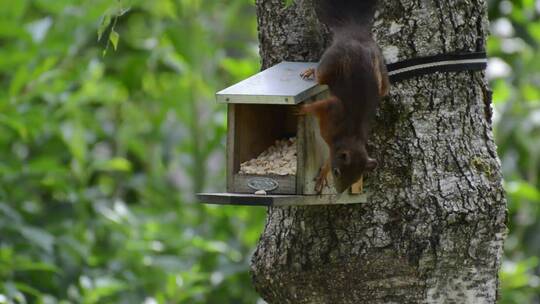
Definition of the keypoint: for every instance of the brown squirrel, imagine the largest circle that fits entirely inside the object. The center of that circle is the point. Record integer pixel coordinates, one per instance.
(354, 70)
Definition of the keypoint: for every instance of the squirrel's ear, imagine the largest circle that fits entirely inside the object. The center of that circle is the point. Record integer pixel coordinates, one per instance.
(371, 164)
(345, 157)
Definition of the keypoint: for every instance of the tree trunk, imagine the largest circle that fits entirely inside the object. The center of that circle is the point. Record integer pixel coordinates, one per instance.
(433, 228)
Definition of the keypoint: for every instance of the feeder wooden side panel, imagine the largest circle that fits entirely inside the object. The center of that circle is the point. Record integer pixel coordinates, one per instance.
(300, 154)
(231, 125)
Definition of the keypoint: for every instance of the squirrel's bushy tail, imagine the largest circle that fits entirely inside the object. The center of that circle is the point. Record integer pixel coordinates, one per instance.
(335, 13)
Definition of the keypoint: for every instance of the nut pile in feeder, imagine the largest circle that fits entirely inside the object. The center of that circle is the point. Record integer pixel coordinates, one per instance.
(279, 159)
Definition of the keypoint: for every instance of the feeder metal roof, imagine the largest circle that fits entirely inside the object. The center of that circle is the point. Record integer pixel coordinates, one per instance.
(280, 84)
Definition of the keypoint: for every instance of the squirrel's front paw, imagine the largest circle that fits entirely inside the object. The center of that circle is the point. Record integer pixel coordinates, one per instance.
(308, 74)
(321, 182)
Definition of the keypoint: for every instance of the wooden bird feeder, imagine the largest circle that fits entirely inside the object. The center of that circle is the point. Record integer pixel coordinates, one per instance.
(262, 120)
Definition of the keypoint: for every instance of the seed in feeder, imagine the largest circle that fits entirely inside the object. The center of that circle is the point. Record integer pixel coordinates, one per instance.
(278, 159)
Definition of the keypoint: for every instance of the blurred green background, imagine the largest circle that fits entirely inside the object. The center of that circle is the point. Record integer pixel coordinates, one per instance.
(108, 126)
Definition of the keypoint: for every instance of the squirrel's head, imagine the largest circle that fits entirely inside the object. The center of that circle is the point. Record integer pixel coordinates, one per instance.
(349, 161)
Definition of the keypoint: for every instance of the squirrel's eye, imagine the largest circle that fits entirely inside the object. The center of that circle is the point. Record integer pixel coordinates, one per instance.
(336, 172)
(345, 157)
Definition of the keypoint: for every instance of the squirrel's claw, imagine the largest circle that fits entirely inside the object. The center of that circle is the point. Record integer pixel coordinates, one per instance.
(308, 74)
(321, 181)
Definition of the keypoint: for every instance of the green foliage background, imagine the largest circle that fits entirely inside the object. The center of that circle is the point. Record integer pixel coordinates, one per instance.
(104, 141)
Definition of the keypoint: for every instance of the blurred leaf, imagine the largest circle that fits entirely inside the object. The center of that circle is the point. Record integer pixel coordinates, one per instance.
(517, 275)
(103, 287)
(239, 69)
(15, 124)
(38, 237)
(113, 37)
(104, 24)
(115, 164)
(501, 91)
(523, 190)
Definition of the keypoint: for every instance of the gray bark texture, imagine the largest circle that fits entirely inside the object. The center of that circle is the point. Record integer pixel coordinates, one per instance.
(433, 228)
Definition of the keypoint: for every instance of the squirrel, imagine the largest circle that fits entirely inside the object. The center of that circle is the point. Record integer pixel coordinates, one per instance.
(353, 68)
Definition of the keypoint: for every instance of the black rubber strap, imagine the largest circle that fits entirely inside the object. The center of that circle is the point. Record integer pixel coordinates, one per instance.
(439, 63)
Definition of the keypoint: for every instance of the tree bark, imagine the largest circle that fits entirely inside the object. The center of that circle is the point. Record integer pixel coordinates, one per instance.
(433, 228)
